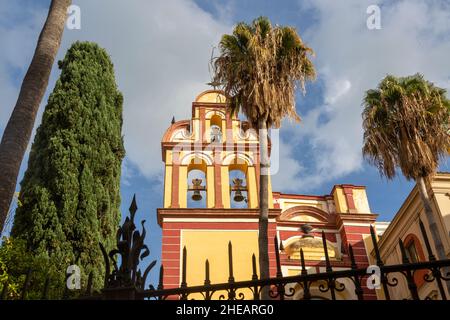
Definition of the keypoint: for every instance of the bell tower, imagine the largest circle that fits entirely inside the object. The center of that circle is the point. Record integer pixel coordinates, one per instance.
(211, 184)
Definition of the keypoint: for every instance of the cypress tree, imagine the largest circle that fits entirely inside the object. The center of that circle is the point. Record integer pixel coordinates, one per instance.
(70, 193)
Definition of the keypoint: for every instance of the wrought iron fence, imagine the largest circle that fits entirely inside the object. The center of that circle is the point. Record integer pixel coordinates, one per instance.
(126, 281)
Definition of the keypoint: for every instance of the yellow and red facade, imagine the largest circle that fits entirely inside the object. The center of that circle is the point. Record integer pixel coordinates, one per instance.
(344, 215)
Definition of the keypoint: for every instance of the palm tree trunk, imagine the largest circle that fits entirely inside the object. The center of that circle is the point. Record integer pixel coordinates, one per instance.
(432, 224)
(263, 207)
(20, 125)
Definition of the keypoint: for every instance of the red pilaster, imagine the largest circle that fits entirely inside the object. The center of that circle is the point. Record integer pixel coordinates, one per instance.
(218, 185)
(352, 228)
(175, 185)
(348, 192)
(202, 124)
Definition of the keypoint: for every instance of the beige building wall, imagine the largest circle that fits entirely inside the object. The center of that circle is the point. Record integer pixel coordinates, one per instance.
(405, 226)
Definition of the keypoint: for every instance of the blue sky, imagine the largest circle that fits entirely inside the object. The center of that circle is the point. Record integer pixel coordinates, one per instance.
(161, 52)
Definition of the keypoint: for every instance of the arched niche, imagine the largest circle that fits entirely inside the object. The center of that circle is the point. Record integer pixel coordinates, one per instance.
(216, 129)
(196, 166)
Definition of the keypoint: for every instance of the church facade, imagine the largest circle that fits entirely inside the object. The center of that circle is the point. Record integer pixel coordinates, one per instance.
(211, 192)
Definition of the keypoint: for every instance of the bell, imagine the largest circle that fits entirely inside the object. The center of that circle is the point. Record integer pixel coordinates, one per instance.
(196, 196)
(196, 187)
(238, 197)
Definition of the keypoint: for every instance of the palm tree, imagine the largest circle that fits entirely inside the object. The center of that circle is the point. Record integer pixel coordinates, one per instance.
(259, 68)
(406, 122)
(20, 125)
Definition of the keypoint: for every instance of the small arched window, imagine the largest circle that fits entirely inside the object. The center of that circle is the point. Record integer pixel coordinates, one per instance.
(216, 129)
(414, 252)
(411, 252)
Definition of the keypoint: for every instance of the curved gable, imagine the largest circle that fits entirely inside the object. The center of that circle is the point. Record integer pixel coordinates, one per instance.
(304, 213)
(182, 125)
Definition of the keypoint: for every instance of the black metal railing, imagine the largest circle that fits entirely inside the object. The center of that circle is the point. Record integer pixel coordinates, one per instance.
(331, 282)
(327, 282)
(126, 281)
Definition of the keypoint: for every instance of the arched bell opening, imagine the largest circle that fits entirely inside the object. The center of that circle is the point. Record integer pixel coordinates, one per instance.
(238, 189)
(196, 182)
(238, 179)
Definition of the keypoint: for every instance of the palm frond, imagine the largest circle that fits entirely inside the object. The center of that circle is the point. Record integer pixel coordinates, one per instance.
(405, 123)
(259, 67)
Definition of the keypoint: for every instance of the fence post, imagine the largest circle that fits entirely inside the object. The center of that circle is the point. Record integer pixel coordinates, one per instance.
(379, 263)
(306, 293)
(183, 275)
(254, 278)
(331, 281)
(207, 281)
(358, 288)
(280, 287)
(231, 291)
(435, 271)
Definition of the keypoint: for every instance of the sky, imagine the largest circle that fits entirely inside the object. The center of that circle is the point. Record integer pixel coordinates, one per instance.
(161, 51)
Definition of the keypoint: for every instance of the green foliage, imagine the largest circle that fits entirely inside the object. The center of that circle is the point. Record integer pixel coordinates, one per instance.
(406, 126)
(9, 256)
(70, 193)
(16, 261)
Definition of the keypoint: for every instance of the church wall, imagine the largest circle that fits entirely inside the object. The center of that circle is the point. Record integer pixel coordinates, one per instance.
(344, 214)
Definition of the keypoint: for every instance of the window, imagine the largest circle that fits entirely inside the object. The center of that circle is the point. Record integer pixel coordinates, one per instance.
(411, 252)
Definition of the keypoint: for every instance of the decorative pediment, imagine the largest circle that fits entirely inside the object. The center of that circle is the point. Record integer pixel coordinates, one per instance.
(305, 214)
(178, 130)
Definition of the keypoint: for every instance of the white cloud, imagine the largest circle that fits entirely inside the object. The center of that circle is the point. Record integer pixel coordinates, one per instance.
(18, 42)
(336, 90)
(351, 59)
(160, 50)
